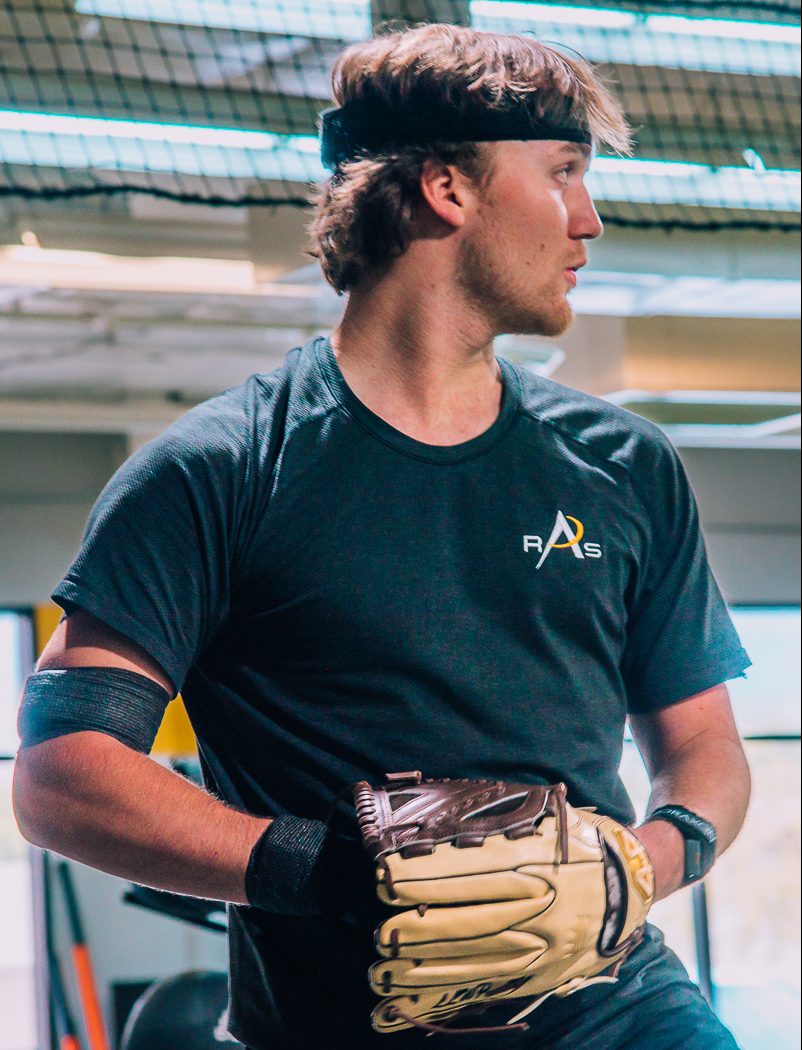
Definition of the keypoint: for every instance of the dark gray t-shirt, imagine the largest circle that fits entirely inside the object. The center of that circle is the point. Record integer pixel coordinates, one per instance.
(336, 600)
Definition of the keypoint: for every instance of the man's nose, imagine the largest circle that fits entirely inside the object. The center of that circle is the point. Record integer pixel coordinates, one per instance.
(585, 224)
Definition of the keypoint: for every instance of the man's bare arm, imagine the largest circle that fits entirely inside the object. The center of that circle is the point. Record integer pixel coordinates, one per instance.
(694, 758)
(91, 798)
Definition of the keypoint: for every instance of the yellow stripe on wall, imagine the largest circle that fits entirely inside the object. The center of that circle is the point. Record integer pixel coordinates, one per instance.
(175, 737)
(45, 620)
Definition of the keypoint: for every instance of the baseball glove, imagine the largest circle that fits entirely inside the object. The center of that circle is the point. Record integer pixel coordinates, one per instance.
(505, 890)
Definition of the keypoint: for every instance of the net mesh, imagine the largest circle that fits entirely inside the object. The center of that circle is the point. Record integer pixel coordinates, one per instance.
(217, 101)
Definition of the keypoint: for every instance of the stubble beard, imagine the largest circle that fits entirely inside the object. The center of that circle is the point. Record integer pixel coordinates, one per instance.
(483, 285)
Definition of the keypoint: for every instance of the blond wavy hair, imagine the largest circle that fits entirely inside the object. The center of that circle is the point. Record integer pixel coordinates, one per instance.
(364, 217)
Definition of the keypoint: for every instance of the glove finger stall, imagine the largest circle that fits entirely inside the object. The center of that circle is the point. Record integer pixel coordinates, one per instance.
(445, 926)
(513, 940)
(402, 976)
(542, 971)
(499, 869)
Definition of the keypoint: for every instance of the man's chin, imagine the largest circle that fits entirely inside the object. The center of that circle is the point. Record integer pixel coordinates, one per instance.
(546, 323)
(556, 327)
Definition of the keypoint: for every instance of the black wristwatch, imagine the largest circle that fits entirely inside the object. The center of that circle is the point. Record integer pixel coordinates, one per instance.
(700, 840)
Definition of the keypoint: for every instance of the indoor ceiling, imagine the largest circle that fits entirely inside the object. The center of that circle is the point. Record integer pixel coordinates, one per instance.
(118, 311)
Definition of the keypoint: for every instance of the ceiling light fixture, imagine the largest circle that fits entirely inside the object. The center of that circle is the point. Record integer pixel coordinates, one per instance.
(22, 266)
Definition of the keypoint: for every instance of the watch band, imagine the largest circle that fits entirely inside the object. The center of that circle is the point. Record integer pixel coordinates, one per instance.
(700, 839)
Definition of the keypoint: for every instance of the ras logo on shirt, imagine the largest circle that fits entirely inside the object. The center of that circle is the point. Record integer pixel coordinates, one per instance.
(570, 536)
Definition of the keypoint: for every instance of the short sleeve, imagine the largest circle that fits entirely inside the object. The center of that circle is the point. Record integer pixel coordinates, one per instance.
(155, 557)
(680, 637)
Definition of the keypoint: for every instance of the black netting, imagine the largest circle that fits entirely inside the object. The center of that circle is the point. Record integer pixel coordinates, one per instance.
(216, 101)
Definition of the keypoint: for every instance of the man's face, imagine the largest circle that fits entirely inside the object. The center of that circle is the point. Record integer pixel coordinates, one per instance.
(524, 239)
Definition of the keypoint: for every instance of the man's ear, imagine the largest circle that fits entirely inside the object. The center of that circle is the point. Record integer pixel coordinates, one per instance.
(446, 191)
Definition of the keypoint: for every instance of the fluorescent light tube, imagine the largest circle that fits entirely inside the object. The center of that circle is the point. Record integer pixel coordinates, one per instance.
(138, 146)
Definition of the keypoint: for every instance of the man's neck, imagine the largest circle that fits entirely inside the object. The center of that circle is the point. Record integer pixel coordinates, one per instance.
(420, 361)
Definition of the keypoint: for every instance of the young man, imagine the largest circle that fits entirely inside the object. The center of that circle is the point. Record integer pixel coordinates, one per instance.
(400, 552)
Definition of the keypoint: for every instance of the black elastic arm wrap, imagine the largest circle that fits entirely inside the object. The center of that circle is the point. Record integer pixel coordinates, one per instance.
(283, 870)
(300, 866)
(122, 704)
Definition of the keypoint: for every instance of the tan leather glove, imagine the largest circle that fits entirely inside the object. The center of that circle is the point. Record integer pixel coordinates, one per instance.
(504, 891)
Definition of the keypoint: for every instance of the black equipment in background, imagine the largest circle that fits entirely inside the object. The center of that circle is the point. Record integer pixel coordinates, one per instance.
(181, 1013)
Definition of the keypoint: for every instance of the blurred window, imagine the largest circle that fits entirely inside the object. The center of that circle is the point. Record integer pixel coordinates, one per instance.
(17, 996)
(753, 893)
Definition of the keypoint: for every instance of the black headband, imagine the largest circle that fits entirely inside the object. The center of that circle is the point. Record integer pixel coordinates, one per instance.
(368, 128)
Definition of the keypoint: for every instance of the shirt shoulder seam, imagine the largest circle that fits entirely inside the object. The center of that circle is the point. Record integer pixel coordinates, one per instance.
(624, 471)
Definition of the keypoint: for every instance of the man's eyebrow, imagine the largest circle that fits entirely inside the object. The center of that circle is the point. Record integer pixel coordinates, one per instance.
(575, 148)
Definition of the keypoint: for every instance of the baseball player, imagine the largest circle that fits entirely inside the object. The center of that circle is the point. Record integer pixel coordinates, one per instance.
(400, 553)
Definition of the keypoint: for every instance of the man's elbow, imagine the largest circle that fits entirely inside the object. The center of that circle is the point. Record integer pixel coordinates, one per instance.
(740, 774)
(736, 779)
(29, 798)
(746, 780)
(49, 780)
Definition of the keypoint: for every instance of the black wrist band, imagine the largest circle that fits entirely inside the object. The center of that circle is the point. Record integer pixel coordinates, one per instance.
(281, 875)
(700, 839)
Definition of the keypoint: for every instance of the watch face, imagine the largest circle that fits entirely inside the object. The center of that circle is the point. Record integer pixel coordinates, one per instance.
(693, 860)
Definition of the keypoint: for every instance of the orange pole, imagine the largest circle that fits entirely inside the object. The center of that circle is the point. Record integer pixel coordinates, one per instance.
(82, 964)
(90, 1002)
(62, 1016)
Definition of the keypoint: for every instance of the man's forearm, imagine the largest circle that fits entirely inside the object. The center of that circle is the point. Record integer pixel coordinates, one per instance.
(708, 777)
(92, 799)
